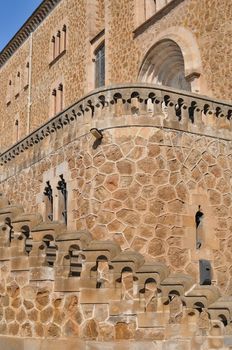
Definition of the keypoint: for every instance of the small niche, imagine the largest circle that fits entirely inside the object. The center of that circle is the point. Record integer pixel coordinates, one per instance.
(205, 272)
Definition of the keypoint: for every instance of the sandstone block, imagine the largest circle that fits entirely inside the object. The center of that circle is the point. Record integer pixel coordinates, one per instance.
(125, 167)
(26, 330)
(90, 330)
(113, 153)
(124, 330)
(39, 330)
(157, 207)
(156, 247)
(42, 298)
(46, 314)
(21, 315)
(53, 331)
(71, 329)
(166, 193)
(13, 328)
(147, 165)
(178, 257)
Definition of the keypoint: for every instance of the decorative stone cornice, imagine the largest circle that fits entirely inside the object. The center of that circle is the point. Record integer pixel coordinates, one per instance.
(28, 27)
(153, 105)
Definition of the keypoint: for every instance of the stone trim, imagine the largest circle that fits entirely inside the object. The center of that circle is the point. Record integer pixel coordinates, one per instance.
(157, 105)
(37, 17)
(156, 17)
(97, 37)
(57, 58)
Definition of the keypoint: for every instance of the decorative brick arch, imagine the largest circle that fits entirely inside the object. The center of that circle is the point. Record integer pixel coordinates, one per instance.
(186, 41)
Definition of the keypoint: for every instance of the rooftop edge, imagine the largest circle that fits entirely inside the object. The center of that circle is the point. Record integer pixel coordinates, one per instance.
(37, 17)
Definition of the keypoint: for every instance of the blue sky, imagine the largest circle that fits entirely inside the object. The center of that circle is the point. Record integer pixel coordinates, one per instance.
(12, 16)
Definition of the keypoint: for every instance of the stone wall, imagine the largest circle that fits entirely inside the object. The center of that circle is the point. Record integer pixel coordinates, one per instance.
(164, 156)
(18, 107)
(142, 185)
(34, 103)
(142, 188)
(109, 298)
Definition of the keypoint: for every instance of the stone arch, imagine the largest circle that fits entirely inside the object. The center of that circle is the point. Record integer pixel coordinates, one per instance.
(10, 229)
(76, 259)
(50, 249)
(223, 319)
(182, 56)
(25, 235)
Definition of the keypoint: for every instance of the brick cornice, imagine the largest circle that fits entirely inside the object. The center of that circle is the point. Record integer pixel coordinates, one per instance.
(28, 27)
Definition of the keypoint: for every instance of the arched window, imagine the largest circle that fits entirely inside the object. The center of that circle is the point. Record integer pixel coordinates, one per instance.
(57, 100)
(53, 47)
(58, 43)
(199, 227)
(18, 84)
(60, 98)
(10, 229)
(27, 239)
(54, 101)
(63, 41)
(164, 65)
(16, 129)
(48, 193)
(9, 92)
(63, 196)
(100, 66)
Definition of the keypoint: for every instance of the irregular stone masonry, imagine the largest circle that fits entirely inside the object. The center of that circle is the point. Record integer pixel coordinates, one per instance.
(116, 296)
(142, 185)
(124, 272)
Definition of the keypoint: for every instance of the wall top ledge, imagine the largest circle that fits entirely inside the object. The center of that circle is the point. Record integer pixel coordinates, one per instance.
(37, 17)
(169, 108)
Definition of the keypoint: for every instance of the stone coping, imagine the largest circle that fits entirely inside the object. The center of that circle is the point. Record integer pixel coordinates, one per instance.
(27, 28)
(160, 106)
